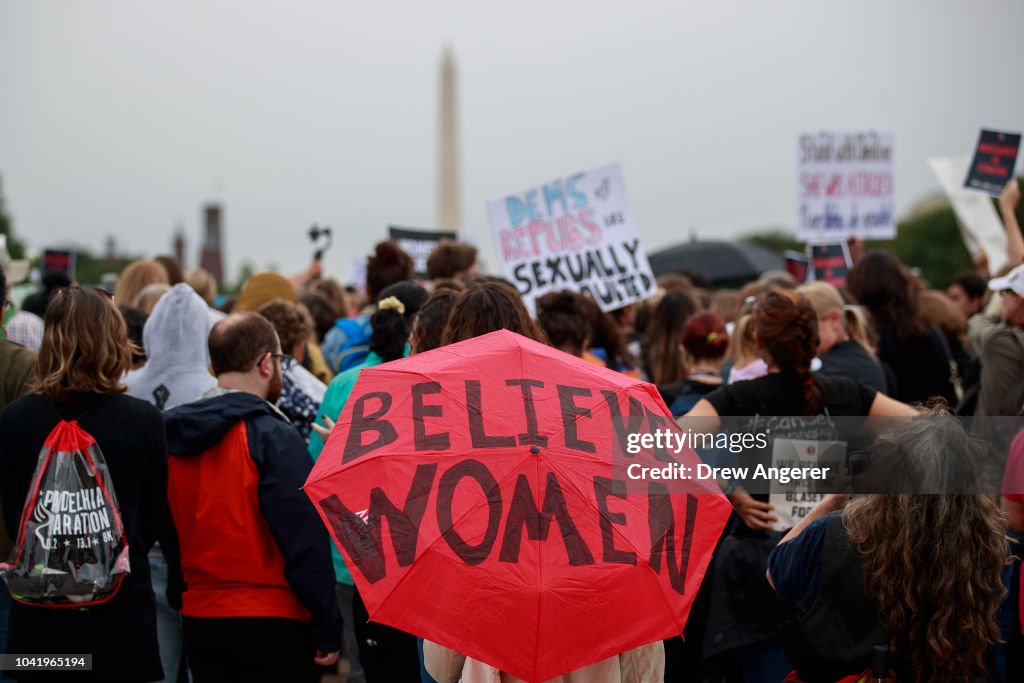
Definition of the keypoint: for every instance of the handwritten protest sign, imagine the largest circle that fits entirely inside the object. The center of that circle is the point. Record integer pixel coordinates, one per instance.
(995, 157)
(844, 186)
(575, 232)
(795, 499)
(419, 244)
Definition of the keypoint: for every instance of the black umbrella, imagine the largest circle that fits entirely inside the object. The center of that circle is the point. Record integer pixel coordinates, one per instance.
(724, 264)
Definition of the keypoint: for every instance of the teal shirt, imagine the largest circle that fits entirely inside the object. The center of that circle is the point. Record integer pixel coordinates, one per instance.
(334, 401)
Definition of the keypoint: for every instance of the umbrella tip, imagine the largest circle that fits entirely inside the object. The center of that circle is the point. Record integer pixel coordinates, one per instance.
(535, 450)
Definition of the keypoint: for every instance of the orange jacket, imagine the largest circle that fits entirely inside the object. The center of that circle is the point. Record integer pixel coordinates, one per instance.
(252, 544)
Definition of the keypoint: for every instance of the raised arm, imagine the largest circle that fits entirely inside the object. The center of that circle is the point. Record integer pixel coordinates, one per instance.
(1008, 201)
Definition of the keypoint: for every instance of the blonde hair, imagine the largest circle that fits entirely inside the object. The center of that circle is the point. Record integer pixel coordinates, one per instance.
(203, 283)
(150, 296)
(742, 344)
(85, 347)
(939, 310)
(136, 276)
(825, 297)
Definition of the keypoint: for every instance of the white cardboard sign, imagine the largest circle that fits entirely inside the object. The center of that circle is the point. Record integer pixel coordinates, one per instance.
(844, 186)
(575, 232)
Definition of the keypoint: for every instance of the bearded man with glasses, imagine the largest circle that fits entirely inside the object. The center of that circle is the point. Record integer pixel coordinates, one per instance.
(259, 599)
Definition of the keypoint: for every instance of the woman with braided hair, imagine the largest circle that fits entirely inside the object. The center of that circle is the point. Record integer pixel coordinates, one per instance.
(745, 612)
(786, 331)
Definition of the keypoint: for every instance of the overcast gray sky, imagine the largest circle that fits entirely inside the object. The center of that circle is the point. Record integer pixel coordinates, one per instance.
(122, 117)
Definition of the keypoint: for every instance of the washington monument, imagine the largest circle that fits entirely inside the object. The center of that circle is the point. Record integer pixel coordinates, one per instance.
(448, 217)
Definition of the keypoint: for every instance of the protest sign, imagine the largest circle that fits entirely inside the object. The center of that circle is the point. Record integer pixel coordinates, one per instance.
(995, 157)
(797, 265)
(357, 273)
(844, 186)
(419, 244)
(577, 233)
(59, 261)
(831, 263)
(980, 225)
(795, 499)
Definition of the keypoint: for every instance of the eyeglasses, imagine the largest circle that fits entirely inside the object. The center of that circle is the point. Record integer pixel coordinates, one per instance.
(286, 361)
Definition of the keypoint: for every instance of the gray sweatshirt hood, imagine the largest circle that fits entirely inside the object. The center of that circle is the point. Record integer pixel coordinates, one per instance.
(177, 356)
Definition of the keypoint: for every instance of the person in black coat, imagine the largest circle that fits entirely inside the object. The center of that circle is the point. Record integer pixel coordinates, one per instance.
(916, 351)
(84, 354)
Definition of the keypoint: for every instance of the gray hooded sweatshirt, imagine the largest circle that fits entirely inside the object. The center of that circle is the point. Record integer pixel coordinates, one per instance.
(175, 340)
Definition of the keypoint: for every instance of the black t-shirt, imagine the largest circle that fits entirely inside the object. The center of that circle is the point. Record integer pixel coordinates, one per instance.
(774, 404)
(782, 393)
(850, 359)
(921, 365)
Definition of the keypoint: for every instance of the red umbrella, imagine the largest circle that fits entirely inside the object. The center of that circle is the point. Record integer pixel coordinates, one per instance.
(514, 534)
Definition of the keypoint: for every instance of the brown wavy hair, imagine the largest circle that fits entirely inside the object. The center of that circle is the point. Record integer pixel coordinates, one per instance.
(85, 347)
(489, 306)
(787, 326)
(884, 286)
(932, 562)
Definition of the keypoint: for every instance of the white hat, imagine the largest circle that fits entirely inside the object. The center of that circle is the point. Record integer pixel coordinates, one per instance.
(1014, 281)
(15, 271)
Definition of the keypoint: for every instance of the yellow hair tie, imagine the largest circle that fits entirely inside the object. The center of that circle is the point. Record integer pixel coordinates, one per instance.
(712, 336)
(390, 303)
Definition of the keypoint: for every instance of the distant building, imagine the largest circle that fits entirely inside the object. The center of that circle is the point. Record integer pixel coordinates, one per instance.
(179, 246)
(211, 257)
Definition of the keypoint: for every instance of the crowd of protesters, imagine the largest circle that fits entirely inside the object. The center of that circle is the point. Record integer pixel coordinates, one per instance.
(211, 411)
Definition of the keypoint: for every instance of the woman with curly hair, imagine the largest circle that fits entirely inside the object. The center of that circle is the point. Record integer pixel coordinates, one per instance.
(917, 572)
